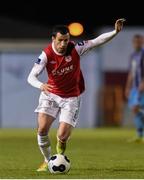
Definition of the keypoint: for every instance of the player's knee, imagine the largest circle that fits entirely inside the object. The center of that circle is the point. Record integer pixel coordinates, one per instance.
(42, 131)
(63, 137)
(135, 109)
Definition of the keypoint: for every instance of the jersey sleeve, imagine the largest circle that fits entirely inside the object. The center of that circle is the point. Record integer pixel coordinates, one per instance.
(37, 69)
(85, 46)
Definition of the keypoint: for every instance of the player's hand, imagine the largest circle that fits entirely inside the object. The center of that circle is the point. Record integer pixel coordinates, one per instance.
(46, 87)
(141, 87)
(119, 24)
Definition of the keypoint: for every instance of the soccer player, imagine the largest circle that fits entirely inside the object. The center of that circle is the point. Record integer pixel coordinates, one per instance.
(135, 86)
(61, 95)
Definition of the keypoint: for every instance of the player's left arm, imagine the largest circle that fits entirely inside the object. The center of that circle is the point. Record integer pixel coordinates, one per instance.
(85, 46)
(141, 85)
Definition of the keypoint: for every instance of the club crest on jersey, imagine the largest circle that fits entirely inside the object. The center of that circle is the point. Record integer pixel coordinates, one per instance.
(68, 58)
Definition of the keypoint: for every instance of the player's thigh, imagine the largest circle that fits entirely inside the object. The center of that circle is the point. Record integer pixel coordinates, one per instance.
(133, 100)
(135, 109)
(47, 105)
(44, 121)
(47, 110)
(142, 100)
(69, 112)
(64, 131)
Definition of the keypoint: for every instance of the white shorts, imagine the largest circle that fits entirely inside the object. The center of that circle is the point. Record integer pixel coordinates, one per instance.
(54, 105)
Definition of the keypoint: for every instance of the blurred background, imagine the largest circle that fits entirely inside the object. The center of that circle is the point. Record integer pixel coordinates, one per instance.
(25, 30)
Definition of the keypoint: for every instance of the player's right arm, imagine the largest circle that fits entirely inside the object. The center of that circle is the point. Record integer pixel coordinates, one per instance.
(37, 69)
(129, 83)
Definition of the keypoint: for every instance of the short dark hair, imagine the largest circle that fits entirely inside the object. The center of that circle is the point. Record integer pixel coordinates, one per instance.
(63, 29)
(137, 36)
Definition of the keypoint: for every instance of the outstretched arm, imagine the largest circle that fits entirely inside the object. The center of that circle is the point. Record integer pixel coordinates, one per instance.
(103, 38)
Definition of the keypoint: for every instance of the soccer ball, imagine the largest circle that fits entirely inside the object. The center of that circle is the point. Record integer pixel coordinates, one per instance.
(59, 163)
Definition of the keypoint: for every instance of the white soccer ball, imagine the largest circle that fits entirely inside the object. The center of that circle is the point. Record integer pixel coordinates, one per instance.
(59, 163)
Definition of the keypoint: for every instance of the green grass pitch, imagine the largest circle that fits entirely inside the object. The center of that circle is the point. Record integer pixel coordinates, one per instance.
(94, 153)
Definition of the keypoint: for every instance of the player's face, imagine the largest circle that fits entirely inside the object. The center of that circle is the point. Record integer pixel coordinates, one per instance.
(138, 43)
(61, 42)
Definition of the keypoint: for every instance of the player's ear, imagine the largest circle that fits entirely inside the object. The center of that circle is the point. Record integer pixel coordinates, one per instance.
(53, 38)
